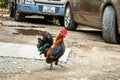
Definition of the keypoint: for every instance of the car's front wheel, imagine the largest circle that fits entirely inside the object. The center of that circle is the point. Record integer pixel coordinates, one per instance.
(11, 10)
(17, 15)
(109, 25)
(69, 23)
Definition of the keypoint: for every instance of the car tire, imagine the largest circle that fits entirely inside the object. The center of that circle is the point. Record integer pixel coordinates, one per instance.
(18, 16)
(69, 23)
(10, 11)
(109, 25)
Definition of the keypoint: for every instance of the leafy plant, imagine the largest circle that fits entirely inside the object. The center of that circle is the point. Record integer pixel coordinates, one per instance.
(56, 22)
(2, 2)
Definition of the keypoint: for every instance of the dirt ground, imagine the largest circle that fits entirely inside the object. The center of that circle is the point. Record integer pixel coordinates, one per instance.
(90, 57)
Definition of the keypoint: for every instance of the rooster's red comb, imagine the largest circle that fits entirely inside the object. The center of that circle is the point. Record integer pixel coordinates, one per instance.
(64, 32)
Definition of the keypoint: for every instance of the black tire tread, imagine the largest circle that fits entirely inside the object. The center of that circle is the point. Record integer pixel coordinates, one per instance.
(72, 25)
(109, 27)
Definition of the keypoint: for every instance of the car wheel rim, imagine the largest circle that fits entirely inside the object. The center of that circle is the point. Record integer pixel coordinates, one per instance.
(67, 17)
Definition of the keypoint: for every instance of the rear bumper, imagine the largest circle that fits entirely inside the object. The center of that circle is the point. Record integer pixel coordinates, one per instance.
(38, 9)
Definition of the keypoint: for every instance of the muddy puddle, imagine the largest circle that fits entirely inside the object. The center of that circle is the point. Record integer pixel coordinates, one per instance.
(25, 26)
(28, 32)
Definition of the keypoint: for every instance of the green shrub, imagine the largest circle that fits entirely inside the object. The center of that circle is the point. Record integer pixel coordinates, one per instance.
(56, 22)
(2, 3)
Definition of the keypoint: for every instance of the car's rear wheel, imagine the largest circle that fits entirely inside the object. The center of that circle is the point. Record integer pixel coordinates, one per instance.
(69, 23)
(109, 25)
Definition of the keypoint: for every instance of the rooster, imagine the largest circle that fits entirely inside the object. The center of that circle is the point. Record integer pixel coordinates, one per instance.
(52, 51)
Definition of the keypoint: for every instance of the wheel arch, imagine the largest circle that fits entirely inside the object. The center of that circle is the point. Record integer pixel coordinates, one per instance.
(71, 4)
(72, 25)
(66, 4)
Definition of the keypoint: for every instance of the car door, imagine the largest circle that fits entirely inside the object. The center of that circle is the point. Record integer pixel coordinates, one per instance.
(88, 12)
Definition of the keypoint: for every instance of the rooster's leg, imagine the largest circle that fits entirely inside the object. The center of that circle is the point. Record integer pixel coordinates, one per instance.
(56, 62)
(51, 66)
